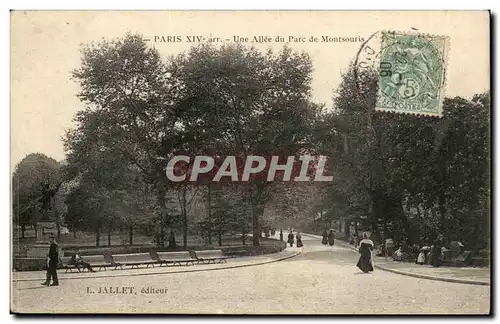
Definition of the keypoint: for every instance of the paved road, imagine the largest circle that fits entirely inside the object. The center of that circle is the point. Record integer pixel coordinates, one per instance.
(321, 280)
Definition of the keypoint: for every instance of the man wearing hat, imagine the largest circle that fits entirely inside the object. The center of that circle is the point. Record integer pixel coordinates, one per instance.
(53, 262)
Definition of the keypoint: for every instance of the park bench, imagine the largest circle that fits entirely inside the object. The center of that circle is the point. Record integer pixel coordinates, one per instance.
(480, 261)
(463, 259)
(166, 258)
(238, 253)
(64, 264)
(97, 261)
(210, 256)
(134, 260)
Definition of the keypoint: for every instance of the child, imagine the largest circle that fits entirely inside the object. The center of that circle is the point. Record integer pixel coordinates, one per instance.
(421, 258)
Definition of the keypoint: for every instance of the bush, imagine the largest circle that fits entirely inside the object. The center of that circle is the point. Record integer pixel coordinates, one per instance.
(29, 264)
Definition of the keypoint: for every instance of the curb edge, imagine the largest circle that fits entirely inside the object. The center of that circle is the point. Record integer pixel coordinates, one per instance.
(422, 276)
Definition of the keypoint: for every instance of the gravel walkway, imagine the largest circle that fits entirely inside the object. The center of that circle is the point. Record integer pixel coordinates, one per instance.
(321, 280)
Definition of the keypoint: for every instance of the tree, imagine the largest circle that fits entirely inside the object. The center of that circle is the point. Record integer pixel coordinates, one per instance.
(35, 182)
(87, 209)
(393, 167)
(130, 120)
(237, 101)
(230, 212)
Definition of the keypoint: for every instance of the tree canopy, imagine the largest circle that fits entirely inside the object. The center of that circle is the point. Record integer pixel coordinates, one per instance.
(402, 175)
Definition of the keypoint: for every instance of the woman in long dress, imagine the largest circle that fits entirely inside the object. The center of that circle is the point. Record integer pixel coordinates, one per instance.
(331, 238)
(325, 238)
(365, 262)
(290, 239)
(299, 240)
(436, 252)
(421, 257)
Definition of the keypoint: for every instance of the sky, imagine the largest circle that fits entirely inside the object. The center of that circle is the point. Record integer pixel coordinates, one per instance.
(45, 48)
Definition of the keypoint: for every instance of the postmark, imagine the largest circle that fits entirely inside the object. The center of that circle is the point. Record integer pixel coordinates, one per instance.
(412, 73)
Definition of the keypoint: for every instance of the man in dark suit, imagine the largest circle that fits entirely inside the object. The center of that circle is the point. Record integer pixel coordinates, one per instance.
(53, 261)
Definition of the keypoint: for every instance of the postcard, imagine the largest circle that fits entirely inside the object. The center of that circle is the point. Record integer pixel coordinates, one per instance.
(250, 162)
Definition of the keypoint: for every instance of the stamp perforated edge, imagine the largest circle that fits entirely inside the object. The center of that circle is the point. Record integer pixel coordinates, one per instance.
(444, 83)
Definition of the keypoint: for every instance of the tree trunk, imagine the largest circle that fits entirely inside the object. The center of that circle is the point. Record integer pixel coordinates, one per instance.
(442, 212)
(162, 238)
(220, 238)
(109, 237)
(256, 226)
(58, 223)
(209, 214)
(74, 234)
(257, 211)
(23, 229)
(243, 236)
(163, 215)
(406, 224)
(130, 234)
(184, 220)
(97, 237)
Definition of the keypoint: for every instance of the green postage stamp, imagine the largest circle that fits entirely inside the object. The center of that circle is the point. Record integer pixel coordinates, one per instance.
(412, 74)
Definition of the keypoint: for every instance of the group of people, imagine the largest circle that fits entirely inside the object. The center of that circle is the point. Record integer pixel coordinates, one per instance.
(328, 237)
(292, 237)
(423, 254)
(432, 256)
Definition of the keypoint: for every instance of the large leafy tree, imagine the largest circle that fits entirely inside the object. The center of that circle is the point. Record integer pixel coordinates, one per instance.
(392, 168)
(238, 101)
(35, 182)
(129, 123)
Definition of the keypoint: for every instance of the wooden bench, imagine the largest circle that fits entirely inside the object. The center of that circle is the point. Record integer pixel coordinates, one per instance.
(64, 263)
(210, 256)
(174, 258)
(134, 260)
(463, 259)
(97, 261)
(238, 253)
(480, 261)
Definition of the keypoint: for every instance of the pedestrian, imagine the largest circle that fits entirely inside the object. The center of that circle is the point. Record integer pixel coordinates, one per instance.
(171, 241)
(290, 239)
(325, 237)
(281, 234)
(354, 240)
(53, 262)
(331, 238)
(389, 248)
(398, 255)
(420, 258)
(78, 261)
(436, 251)
(299, 240)
(365, 262)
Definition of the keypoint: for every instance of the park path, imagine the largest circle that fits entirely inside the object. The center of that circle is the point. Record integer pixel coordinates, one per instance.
(320, 280)
(469, 275)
